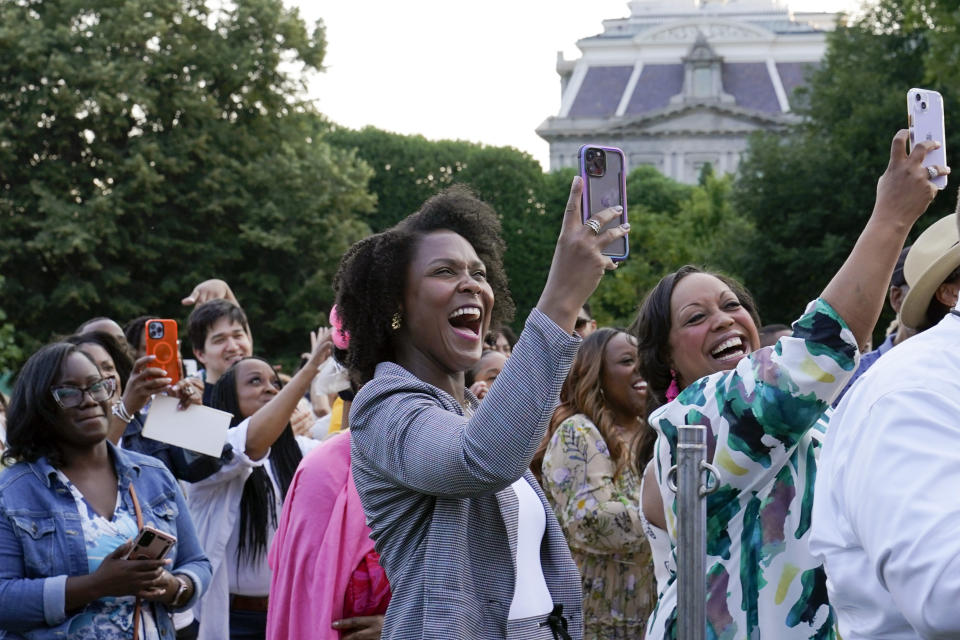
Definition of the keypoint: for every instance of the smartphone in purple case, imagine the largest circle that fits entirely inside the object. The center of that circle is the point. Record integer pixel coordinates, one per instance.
(604, 173)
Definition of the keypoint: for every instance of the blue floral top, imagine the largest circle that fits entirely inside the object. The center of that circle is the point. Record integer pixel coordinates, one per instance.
(765, 422)
(109, 618)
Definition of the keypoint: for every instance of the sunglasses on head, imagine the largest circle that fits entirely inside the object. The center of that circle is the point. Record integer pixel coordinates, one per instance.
(68, 396)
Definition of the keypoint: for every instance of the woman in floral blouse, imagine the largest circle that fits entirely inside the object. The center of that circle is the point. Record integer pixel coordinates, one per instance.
(595, 491)
(763, 409)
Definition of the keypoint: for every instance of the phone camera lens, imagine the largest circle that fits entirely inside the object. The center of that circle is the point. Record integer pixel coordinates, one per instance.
(923, 105)
(917, 97)
(156, 330)
(147, 538)
(596, 162)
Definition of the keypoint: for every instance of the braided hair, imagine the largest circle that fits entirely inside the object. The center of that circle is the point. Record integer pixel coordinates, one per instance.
(258, 502)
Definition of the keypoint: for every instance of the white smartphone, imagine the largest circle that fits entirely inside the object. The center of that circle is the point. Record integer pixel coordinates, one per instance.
(925, 119)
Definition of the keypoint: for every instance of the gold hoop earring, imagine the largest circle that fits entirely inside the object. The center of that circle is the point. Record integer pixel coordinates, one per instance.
(395, 321)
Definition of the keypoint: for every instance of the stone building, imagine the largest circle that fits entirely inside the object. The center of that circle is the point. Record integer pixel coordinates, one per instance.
(682, 83)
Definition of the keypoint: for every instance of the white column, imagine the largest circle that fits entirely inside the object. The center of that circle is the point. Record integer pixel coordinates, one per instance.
(628, 91)
(573, 88)
(778, 85)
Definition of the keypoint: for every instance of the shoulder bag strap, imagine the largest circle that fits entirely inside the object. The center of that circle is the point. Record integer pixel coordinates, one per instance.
(136, 609)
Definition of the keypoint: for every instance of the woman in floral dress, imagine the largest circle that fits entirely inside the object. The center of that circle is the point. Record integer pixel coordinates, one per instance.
(594, 489)
(764, 413)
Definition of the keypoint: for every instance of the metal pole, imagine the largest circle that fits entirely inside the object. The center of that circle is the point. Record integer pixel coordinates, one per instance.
(684, 480)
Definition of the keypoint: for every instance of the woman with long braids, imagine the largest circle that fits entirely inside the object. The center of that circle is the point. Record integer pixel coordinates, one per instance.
(236, 509)
(590, 479)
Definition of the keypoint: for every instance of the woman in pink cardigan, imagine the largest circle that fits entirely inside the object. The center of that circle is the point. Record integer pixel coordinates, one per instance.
(326, 575)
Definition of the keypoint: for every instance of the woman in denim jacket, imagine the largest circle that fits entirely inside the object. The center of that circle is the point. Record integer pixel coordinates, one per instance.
(69, 510)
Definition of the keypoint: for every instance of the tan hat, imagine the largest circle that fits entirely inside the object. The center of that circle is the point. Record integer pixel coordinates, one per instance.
(934, 255)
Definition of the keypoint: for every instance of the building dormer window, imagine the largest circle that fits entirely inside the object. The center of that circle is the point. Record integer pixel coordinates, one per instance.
(703, 79)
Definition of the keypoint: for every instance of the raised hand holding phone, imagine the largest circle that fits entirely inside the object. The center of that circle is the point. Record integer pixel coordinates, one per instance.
(603, 171)
(926, 123)
(578, 262)
(161, 342)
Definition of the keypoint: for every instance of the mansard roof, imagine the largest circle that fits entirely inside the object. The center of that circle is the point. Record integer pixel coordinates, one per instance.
(692, 118)
(750, 83)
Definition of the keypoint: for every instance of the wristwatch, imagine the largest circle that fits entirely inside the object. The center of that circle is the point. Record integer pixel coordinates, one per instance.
(181, 590)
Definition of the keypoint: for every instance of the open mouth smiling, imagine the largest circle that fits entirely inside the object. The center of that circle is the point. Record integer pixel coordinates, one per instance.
(467, 321)
(729, 350)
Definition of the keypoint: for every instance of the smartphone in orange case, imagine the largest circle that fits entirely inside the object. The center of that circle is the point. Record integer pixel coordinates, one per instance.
(162, 342)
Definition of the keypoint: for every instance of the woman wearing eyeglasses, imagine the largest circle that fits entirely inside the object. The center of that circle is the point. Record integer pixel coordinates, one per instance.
(70, 505)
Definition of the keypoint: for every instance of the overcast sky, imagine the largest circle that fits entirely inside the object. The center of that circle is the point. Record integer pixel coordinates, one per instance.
(483, 71)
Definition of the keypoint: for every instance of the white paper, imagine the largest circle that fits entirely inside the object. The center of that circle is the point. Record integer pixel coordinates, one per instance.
(197, 427)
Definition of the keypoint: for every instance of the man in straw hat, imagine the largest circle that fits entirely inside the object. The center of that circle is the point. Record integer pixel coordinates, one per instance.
(887, 506)
(932, 271)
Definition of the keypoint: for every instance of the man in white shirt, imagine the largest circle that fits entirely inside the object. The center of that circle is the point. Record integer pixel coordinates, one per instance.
(886, 515)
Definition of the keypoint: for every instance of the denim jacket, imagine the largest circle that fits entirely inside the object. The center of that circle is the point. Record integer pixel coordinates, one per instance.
(41, 542)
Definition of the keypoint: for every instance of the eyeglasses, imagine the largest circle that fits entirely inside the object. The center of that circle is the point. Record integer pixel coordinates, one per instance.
(69, 397)
(580, 323)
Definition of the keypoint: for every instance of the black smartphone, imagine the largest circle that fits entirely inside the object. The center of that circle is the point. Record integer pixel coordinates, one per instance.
(604, 174)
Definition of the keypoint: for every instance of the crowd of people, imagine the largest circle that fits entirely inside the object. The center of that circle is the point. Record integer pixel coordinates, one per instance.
(427, 473)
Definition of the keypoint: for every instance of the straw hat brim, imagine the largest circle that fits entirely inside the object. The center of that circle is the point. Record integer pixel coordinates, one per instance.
(913, 311)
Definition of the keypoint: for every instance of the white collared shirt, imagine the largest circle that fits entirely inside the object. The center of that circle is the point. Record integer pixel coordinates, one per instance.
(886, 515)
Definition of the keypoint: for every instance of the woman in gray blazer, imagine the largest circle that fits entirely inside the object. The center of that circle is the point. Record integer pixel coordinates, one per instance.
(469, 543)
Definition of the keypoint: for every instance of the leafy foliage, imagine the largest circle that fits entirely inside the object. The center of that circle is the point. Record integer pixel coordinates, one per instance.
(809, 193)
(10, 352)
(671, 224)
(410, 169)
(149, 144)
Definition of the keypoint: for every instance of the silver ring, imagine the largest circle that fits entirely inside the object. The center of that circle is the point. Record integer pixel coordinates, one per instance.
(933, 173)
(593, 224)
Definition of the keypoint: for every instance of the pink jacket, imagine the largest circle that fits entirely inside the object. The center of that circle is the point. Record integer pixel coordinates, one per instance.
(321, 539)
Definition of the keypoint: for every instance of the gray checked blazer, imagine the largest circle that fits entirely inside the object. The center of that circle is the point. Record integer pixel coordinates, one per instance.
(435, 487)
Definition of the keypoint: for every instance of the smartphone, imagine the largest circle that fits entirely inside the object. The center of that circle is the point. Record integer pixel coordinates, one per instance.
(925, 119)
(604, 174)
(162, 343)
(151, 544)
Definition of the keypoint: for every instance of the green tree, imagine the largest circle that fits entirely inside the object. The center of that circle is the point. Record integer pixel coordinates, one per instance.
(409, 169)
(808, 193)
(11, 355)
(513, 183)
(148, 144)
(671, 224)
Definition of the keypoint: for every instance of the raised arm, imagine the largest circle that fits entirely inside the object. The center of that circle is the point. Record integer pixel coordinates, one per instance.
(269, 421)
(212, 289)
(399, 427)
(577, 263)
(859, 288)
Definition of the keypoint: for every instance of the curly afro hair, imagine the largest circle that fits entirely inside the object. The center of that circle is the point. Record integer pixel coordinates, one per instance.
(371, 279)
